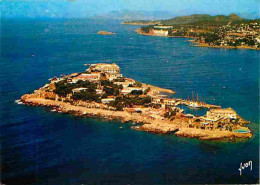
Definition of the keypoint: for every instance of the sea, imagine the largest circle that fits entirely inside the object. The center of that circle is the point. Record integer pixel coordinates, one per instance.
(42, 147)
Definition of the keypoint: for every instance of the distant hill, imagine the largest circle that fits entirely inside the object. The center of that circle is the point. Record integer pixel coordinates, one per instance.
(202, 19)
(135, 15)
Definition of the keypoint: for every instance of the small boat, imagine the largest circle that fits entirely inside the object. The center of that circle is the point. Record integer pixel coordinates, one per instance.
(19, 102)
(194, 105)
(121, 127)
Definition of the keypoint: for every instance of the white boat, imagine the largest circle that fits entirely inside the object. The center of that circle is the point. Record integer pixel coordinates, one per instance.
(194, 105)
(19, 102)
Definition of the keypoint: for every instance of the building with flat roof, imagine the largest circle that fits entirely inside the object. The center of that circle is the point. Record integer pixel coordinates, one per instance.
(107, 100)
(222, 113)
(76, 90)
(88, 77)
(104, 68)
(128, 90)
(160, 32)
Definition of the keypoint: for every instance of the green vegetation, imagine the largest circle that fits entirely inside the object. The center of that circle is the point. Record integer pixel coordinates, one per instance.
(204, 19)
(145, 29)
(209, 37)
(110, 88)
(129, 101)
(136, 92)
(86, 96)
(63, 88)
(138, 84)
(147, 90)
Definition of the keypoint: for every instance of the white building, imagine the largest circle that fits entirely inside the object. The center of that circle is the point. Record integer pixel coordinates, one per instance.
(124, 84)
(79, 90)
(160, 32)
(112, 76)
(104, 68)
(169, 102)
(107, 100)
(99, 91)
(222, 113)
(128, 90)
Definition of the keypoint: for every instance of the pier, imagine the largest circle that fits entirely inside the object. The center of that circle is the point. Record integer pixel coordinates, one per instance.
(199, 104)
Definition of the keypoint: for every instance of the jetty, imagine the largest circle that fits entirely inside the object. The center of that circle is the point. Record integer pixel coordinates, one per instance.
(199, 104)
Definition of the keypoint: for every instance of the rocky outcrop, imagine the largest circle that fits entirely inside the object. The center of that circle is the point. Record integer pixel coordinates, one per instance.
(106, 33)
(209, 134)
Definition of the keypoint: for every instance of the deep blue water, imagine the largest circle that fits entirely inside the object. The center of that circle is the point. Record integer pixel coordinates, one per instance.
(41, 147)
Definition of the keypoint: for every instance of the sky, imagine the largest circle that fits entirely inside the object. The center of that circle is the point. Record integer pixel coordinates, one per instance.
(89, 8)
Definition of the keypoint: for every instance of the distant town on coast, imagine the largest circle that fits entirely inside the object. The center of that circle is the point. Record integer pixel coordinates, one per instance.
(219, 31)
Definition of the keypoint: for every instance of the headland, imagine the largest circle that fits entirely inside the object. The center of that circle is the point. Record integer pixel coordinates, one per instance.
(102, 91)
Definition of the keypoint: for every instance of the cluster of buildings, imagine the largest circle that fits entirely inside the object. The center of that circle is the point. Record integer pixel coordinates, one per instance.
(215, 118)
(160, 104)
(97, 72)
(238, 35)
(245, 34)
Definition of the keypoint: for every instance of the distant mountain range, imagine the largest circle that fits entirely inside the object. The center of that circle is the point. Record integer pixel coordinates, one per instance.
(163, 15)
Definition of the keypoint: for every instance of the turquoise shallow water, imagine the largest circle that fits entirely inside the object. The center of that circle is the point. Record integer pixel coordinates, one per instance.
(41, 147)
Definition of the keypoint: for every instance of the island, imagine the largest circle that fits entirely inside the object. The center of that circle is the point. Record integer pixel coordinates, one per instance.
(232, 32)
(105, 33)
(102, 91)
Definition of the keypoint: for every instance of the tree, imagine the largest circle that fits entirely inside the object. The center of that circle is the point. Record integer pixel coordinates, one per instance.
(147, 90)
(86, 96)
(138, 84)
(62, 88)
(136, 92)
(251, 43)
(104, 95)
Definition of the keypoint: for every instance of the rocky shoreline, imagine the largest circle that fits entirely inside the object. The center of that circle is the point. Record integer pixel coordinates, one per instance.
(147, 124)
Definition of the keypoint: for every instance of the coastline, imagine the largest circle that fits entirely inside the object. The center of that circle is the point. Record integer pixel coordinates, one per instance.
(140, 23)
(176, 126)
(159, 89)
(197, 44)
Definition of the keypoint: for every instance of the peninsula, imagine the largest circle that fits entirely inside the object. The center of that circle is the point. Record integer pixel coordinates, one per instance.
(102, 91)
(207, 31)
